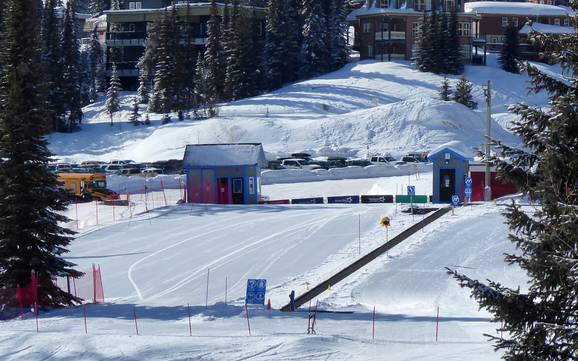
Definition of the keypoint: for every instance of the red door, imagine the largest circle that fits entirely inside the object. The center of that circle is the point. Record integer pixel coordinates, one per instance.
(224, 192)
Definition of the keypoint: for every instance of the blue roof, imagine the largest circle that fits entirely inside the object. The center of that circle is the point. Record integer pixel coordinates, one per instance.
(440, 153)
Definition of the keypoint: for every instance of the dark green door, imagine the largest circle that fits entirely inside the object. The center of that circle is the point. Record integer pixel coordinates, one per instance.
(238, 194)
(447, 185)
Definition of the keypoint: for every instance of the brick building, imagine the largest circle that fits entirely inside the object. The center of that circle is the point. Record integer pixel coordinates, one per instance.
(491, 18)
(387, 29)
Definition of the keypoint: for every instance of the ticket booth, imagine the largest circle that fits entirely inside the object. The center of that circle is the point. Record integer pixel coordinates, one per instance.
(223, 173)
(449, 171)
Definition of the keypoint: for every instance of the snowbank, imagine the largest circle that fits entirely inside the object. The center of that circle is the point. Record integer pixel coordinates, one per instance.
(372, 171)
(365, 107)
(513, 8)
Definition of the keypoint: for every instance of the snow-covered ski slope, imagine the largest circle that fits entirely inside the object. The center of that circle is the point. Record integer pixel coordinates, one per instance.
(375, 106)
(158, 262)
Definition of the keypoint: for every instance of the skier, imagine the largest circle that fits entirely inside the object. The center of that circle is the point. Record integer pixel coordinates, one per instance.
(292, 301)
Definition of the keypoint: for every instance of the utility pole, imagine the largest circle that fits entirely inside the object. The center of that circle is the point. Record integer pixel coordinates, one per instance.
(487, 180)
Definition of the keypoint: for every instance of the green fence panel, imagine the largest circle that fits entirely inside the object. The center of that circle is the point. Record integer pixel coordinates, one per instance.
(407, 199)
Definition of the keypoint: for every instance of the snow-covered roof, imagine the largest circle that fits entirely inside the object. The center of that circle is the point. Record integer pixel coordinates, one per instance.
(454, 147)
(547, 29)
(514, 8)
(218, 155)
(170, 7)
(371, 8)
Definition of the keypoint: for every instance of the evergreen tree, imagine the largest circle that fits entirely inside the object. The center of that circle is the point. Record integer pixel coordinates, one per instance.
(31, 238)
(276, 28)
(463, 94)
(162, 98)
(540, 323)
(188, 55)
(454, 62)
(340, 51)
(53, 65)
(313, 49)
(445, 90)
(147, 62)
(97, 68)
(71, 75)
(98, 6)
(510, 52)
(203, 105)
(424, 57)
(135, 115)
(113, 94)
(440, 44)
(214, 57)
(143, 90)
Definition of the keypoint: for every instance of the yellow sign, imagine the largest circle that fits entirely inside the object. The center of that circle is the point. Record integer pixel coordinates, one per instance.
(385, 222)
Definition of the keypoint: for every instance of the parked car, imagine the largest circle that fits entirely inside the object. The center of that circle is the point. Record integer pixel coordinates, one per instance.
(113, 168)
(419, 156)
(358, 162)
(151, 172)
(296, 163)
(274, 164)
(381, 159)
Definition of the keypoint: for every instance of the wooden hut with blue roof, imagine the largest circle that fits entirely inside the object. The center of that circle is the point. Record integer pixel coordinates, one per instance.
(449, 171)
(224, 173)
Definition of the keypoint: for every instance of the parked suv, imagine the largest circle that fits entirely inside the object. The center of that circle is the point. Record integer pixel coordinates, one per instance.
(296, 163)
(378, 159)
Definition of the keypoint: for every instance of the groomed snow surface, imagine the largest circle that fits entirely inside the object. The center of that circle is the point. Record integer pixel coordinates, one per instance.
(365, 107)
(156, 263)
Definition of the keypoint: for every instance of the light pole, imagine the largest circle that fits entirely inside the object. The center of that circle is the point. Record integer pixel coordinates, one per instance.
(487, 181)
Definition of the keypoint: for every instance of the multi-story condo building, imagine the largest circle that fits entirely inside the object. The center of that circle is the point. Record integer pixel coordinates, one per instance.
(387, 29)
(126, 30)
(491, 18)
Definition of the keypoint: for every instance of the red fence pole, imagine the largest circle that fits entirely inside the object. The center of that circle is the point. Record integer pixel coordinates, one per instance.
(373, 325)
(248, 324)
(135, 321)
(36, 315)
(437, 322)
(190, 326)
(84, 313)
(93, 283)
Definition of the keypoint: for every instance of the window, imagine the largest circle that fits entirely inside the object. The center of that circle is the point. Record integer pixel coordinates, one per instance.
(566, 22)
(237, 186)
(557, 21)
(384, 27)
(366, 27)
(515, 21)
(420, 5)
(415, 29)
(131, 27)
(449, 5)
(370, 51)
(504, 21)
(464, 29)
(135, 4)
(383, 3)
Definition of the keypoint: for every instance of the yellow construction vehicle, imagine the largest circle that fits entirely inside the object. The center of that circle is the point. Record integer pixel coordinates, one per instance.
(87, 186)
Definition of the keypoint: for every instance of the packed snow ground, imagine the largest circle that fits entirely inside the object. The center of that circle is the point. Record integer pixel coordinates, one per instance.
(157, 262)
(366, 106)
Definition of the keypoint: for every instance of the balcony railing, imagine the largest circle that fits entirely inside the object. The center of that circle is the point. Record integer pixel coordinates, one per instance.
(125, 42)
(387, 35)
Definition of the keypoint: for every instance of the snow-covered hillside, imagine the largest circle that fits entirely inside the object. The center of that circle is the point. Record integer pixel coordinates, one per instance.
(375, 106)
(156, 263)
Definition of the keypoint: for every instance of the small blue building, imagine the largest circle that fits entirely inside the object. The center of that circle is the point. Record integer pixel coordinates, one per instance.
(224, 173)
(449, 171)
